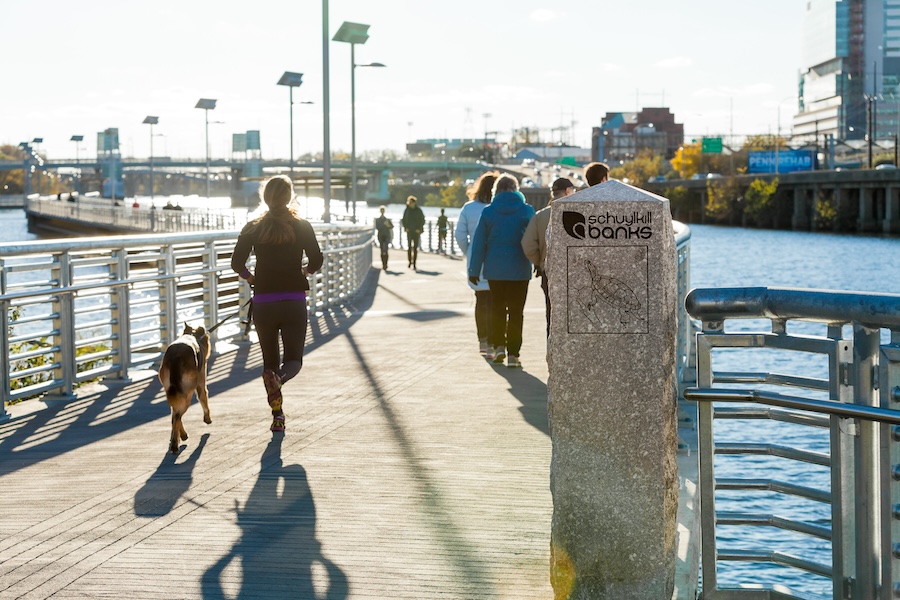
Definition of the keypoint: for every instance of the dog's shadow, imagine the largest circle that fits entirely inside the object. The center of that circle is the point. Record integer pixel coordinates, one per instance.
(170, 481)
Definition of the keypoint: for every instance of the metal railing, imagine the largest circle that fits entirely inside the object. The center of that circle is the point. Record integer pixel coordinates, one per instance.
(853, 403)
(79, 309)
(124, 217)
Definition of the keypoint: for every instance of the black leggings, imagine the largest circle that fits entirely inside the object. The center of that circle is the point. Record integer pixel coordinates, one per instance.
(413, 251)
(483, 313)
(288, 320)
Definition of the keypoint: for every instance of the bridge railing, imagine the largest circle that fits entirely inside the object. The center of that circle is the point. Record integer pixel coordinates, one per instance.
(80, 309)
(829, 381)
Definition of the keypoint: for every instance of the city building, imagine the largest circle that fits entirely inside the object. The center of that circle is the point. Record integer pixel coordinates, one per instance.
(565, 155)
(851, 70)
(623, 135)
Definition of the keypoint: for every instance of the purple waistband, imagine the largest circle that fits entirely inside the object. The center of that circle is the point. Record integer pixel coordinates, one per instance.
(278, 297)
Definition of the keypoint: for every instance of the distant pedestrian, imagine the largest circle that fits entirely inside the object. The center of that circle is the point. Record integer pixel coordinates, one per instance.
(497, 245)
(479, 197)
(534, 241)
(596, 172)
(413, 222)
(280, 239)
(384, 229)
(442, 232)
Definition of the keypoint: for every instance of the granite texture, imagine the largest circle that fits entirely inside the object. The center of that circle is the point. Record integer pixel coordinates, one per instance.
(612, 394)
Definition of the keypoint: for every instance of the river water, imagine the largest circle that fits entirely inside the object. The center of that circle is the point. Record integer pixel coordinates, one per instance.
(738, 257)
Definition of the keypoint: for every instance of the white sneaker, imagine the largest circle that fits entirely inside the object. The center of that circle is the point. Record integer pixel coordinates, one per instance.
(484, 346)
(512, 361)
(489, 353)
(499, 354)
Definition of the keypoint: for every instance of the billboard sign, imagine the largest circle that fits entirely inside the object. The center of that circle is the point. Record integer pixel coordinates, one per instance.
(789, 161)
(108, 141)
(711, 145)
(238, 142)
(253, 140)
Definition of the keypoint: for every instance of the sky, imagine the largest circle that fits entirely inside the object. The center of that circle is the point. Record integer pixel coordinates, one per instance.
(78, 68)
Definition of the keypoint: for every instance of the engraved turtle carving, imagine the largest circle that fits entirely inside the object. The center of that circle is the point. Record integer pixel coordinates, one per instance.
(612, 291)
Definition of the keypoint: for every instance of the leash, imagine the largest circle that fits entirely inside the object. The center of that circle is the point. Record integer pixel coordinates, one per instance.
(226, 319)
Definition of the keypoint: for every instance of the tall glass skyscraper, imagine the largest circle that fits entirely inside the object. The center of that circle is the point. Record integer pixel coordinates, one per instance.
(851, 56)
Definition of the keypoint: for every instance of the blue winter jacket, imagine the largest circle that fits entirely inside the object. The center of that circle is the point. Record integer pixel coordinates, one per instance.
(497, 244)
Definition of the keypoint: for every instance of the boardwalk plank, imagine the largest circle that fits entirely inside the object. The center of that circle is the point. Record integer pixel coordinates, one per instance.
(411, 468)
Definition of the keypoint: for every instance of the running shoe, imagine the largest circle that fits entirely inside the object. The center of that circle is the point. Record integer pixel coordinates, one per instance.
(512, 361)
(484, 346)
(499, 354)
(278, 422)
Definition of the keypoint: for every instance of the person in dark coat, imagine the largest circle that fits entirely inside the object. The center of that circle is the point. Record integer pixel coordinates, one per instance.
(414, 223)
(384, 228)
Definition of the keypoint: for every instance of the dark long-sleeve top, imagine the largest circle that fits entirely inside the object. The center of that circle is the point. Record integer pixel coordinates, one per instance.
(413, 219)
(279, 267)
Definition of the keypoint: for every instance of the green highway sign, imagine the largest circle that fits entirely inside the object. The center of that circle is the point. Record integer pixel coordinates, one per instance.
(712, 145)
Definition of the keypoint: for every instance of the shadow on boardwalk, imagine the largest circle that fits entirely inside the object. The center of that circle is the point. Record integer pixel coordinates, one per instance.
(278, 550)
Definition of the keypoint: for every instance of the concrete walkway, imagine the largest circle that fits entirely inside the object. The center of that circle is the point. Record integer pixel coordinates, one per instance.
(411, 468)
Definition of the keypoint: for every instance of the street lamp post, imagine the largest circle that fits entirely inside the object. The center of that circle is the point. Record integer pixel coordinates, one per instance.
(353, 33)
(77, 139)
(151, 121)
(292, 80)
(207, 104)
(778, 138)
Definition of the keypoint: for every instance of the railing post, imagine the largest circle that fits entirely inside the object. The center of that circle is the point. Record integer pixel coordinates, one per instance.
(64, 306)
(889, 380)
(868, 560)
(5, 367)
(121, 315)
(707, 450)
(211, 289)
(843, 497)
(169, 296)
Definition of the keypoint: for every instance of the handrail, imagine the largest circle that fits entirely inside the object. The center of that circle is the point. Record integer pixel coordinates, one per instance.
(877, 310)
(863, 435)
(77, 309)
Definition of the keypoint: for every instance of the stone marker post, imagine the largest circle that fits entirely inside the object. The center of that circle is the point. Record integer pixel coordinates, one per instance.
(612, 394)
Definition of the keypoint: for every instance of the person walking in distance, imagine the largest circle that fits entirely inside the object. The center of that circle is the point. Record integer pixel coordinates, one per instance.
(280, 239)
(413, 222)
(442, 232)
(596, 172)
(497, 245)
(534, 240)
(479, 197)
(384, 228)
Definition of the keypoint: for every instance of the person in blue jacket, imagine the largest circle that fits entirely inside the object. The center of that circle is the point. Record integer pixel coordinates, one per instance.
(497, 246)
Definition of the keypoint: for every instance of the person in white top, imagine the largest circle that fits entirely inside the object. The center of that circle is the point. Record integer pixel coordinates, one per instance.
(479, 197)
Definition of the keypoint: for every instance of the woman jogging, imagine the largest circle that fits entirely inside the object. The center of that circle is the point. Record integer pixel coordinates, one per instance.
(280, 240)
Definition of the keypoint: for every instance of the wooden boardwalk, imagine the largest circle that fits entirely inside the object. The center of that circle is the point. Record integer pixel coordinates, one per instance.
(411, 468)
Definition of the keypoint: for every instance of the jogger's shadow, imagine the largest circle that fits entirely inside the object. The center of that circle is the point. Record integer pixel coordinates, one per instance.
(278, 545)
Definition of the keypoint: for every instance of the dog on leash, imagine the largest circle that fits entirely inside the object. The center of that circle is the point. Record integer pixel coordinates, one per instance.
(183, 372)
